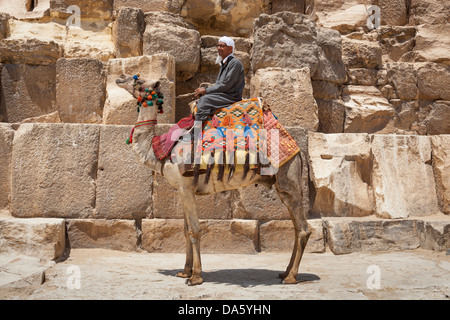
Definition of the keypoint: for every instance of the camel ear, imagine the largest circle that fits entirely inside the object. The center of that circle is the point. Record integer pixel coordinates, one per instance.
(156, 85)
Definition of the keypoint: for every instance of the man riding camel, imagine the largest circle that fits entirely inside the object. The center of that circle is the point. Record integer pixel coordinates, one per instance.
(229, 83)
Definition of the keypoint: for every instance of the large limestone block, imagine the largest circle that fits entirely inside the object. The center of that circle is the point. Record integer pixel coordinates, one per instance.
(106, 234)
(128, 30)
(350, 235)
(217, 236)
(39, 237)
(80, 90)
(292, 40)
(167, 204)
(397, 42)
(441, 167)
(432, 43)
(144, 5)
(340, 167)
(97, 9)
(54, 168)
(124, 186)
(361, 54)
(168, 33)
(289, 94)
(279, 236)
(433, 81)
(403, 181)
(366, 110)
(120, 106)
(331, 115)
(29, 51)
(433, 12)
(231, 17)
(260, 203)
(403, 79)
(6, 143)
(344, 16)
(393, 12)
(434, 233)
(28, 91)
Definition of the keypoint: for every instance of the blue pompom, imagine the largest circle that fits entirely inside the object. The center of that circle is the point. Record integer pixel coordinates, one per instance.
(135, 77)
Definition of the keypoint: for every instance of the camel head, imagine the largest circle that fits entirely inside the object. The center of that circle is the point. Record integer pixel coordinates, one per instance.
(135, 85)
(146, 92)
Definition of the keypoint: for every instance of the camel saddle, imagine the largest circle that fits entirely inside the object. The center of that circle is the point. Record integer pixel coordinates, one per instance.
(231, 137)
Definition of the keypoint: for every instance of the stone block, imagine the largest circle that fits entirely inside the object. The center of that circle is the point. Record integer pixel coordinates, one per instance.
(80, 90)
(403, 78)
(28, 91)
(106, 234)
(361, 54)
(54, 168)
(292, 40)
(260, 203)
(366, 110)
(433, 81)
(434, 234)
(279, 236)
(350, 235)
(344, 16)
(290, 95)
(124, 186)
(29, 51)
(402, 177)
(6, 143)
(168, 33)
(340, 168)
(128, 30)
(441, 167)
(331, 115)
(432, 42)
(167, 205)
(97, 9)
(393, 12)
(120, 106)
(217, 236)
(39, 237)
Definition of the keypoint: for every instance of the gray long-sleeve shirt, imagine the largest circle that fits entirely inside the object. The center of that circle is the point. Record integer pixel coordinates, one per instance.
(227, 90)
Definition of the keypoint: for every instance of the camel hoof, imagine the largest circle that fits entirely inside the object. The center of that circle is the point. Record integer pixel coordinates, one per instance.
(289, 280)
(194, 281)
(183, 274)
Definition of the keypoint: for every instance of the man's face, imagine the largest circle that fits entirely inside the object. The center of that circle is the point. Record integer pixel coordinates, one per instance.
(224, 50)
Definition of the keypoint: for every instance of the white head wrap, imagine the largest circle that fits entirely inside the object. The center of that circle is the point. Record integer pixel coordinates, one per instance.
(229, 42)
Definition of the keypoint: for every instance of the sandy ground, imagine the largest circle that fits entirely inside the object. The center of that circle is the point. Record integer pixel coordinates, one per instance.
(107, 274)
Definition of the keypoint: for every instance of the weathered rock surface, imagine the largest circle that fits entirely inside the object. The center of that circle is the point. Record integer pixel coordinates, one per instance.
(441, 166)
(345, 236)
(80, 90)
(128, 31)
(341, 172)
(289, 94)
(54, 169)
(42, 238)
(29, 51)
(234, 236)
(290, 40)
(6, 142)
(403, 177)
(99, 233)
(168, 33)
(124, 186)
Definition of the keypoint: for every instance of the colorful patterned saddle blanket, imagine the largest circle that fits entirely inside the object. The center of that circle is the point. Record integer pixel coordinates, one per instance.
(245, 135)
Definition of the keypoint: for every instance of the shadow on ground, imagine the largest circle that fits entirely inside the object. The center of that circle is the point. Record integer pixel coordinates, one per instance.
(244, 277)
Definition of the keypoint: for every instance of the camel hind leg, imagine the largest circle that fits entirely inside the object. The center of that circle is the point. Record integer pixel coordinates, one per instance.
(291, 188)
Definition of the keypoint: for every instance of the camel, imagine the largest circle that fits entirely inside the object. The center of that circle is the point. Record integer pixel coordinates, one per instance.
(287, 181)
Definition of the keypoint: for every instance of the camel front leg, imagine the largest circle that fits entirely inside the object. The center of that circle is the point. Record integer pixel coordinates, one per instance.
(187, 272)
(192, 229)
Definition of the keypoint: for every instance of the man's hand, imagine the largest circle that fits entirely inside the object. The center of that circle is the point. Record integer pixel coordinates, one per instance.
(200, 91)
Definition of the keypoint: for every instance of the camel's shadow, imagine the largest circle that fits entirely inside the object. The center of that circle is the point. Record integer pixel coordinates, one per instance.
(245, 277)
